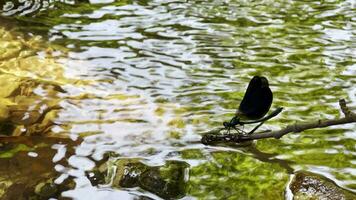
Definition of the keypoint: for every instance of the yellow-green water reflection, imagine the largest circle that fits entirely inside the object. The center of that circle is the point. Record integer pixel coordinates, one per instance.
(143, 78)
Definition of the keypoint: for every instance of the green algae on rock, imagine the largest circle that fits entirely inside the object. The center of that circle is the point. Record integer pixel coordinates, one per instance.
(27, 168)
(306, 185)
(167, 181)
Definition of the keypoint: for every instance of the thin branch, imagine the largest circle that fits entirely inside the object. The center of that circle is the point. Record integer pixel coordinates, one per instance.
(345, 109)
(213, 136)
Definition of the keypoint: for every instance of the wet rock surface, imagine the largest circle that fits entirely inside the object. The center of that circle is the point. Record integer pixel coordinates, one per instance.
(307, 185)
(29, 85)
(167, 181)
(27, 169)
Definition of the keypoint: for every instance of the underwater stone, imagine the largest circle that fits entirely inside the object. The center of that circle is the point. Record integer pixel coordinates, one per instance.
(307, 185)
(167, 181)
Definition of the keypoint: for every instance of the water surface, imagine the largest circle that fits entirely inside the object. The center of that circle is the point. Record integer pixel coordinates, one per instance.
(157, 73)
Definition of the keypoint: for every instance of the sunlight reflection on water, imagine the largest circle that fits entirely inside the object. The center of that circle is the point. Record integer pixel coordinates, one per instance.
(161, 72)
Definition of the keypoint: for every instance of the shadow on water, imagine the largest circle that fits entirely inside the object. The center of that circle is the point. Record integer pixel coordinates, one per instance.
(270, 158)
(138, 80)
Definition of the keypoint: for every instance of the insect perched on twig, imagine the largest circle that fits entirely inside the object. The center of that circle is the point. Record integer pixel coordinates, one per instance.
(235, 121)
(254, 105)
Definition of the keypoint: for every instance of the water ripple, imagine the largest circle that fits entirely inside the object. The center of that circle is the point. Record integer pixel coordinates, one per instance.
(163, 70)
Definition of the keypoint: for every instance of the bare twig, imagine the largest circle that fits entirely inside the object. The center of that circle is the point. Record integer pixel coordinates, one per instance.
(214, 136)
(345, 109)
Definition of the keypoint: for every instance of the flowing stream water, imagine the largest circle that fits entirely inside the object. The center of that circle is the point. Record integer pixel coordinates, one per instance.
(155, 74)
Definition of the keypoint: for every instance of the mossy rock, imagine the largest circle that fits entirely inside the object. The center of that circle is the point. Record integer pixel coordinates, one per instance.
(309, 186)
(167, 181)
(27, 169)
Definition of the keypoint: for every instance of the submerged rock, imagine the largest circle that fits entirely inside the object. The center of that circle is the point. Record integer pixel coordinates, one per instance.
(167, 181)
(31, 81)
(40, 189)
(29, 85)
(307, 185)
(27, 169)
